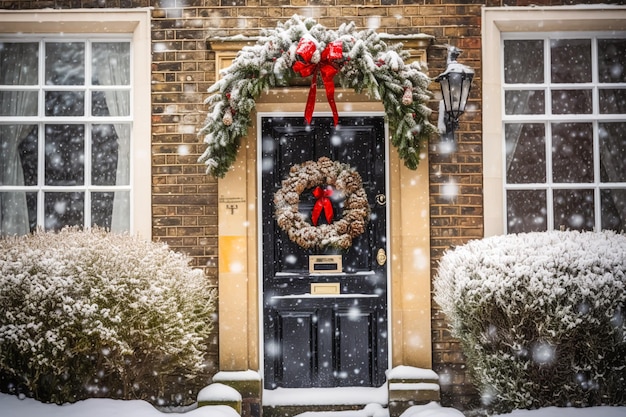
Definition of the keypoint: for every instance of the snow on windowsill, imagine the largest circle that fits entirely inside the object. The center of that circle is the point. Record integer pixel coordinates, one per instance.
(405, 372)
(248, 375)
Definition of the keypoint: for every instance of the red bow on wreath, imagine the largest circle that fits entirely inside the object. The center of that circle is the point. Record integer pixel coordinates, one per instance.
(328, 66)
(322, 202)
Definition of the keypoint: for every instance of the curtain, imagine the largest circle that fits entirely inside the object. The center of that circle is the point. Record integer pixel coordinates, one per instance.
(112, 67)
(18, 67)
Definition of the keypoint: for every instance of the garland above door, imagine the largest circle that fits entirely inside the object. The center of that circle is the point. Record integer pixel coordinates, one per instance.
(301, 47)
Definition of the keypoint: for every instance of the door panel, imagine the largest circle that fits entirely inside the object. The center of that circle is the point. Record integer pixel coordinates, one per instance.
(333, 339)
(298, 332)
(355, 363)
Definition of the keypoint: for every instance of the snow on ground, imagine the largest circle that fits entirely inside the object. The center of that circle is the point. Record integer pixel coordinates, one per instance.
(12, 406)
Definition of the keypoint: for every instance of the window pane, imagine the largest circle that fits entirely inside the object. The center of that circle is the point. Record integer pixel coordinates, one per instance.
(611, 60)
(18, 63)
(63, 209)
(524, 102)
(11, 172)
(613, 209)
(14, 211)
(526, 211)
(29, 152)
(65, 103)
(572, 102)
(612, 101)
(99, 104)
(612, 152)
(18, 103)
(65, 155)
(105, 205)
(523, 61)
(525, 153)
(65, 63)
(31, 203)
(110, 103)
(572, 152)
(18, 66)
(571, 60)
(101, 209)
(111, 63)
(573, 209)
(103, 155)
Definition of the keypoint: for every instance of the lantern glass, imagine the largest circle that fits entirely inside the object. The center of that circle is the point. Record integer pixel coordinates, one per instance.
(455, 88)
(466, 84)
(444, 82)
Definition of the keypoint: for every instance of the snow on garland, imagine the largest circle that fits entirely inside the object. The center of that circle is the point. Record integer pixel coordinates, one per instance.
(312, 174)
(356, 59)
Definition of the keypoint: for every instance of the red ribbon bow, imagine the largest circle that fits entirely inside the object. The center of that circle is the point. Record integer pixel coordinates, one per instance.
(327, 66)
(322, 203)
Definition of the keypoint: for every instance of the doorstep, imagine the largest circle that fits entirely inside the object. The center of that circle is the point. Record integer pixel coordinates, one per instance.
(349, 396)
(282, 402)
(406, 386)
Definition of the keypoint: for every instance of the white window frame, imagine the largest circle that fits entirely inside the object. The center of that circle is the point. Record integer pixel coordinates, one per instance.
(495, 22)
(131, 23)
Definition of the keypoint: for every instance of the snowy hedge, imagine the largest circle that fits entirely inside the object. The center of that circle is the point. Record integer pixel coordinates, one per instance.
(97, 314)
(540, 317)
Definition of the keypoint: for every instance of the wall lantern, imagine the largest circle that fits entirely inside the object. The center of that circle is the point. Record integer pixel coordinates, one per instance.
(455, 84)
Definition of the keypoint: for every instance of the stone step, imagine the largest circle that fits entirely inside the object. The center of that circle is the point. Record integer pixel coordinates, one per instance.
(406, 386)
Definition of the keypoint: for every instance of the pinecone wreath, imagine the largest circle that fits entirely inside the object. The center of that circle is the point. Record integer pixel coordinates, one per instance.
(339, 178)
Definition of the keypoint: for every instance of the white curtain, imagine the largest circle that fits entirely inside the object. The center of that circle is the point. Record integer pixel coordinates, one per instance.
(112, 66)
(18, 67)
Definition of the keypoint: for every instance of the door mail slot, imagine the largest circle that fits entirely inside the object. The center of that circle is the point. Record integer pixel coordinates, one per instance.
(325, 264)
(319, 288)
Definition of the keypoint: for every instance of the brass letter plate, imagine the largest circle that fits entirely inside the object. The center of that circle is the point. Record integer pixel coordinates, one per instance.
(325, 264)
(321, 288)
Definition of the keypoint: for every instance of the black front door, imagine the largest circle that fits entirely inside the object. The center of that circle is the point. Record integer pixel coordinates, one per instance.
(336, 336)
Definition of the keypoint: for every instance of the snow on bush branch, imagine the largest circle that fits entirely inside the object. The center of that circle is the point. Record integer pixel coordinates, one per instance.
(368, 65)
(540, 317)
(92, 314)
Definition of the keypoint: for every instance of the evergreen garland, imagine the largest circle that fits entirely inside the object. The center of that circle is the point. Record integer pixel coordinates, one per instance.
(368, 66)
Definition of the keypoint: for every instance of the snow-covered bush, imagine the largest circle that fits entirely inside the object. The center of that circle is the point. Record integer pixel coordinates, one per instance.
(96, 314)
(540, 317)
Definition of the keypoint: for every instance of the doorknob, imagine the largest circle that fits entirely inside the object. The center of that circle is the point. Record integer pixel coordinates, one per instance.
(381, 257)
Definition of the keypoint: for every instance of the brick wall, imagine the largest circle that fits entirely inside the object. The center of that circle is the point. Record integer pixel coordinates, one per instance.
(455, 218)
(184, 198)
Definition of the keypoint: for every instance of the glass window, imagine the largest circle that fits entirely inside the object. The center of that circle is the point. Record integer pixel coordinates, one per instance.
(65, 130)
(570, 60)
(523, 61)
(525, 153)
(564, 127)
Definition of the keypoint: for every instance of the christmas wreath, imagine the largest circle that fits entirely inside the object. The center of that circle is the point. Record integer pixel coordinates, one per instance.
(300, 48)
(337, 177)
